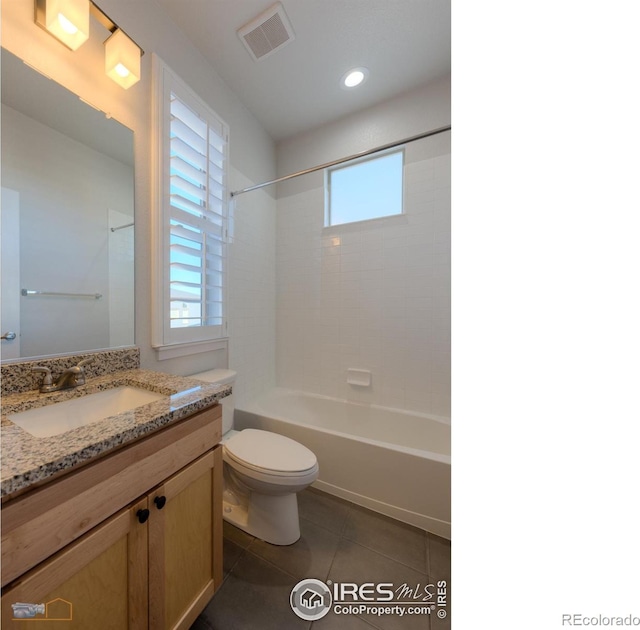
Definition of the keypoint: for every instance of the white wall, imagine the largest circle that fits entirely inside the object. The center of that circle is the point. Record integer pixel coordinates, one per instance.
(251, 149)
(422, 109)
(374, 296)
(63, 184)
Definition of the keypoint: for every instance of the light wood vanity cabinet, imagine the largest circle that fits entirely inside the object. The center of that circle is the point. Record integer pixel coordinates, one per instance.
(99, 581)
(185, 554)
(151, 560)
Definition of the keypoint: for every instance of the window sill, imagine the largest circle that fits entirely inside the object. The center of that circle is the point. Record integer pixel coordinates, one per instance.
(183, 349)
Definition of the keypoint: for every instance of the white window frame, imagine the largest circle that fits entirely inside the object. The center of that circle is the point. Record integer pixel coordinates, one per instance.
(173, 342)
(369, 158)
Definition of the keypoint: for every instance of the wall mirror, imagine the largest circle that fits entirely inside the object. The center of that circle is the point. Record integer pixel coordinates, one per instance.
(66, 221)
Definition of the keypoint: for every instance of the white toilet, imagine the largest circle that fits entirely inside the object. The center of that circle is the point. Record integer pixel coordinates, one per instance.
(263, 471)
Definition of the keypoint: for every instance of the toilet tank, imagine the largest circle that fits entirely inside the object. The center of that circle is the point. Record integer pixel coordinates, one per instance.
(221, 377)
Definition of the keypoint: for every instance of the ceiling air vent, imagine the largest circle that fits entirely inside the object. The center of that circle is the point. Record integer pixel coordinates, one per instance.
(269, 32)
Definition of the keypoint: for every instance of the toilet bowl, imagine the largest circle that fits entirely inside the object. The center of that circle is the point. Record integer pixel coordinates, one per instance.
(263, 472)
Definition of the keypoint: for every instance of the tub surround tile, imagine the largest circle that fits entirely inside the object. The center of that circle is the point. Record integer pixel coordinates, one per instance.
(17, 377)
(27, 460)
(375, 284)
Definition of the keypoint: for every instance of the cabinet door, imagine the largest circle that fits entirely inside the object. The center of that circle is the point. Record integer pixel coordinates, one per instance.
(98, 582)
(185, 543)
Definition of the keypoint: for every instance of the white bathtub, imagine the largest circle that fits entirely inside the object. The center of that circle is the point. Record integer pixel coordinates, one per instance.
(394, 462)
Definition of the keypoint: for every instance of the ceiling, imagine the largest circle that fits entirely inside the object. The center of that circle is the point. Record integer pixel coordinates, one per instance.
(403, 43)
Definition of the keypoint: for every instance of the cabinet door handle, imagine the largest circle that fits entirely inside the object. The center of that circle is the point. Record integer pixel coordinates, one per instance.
(142, 515)
(160, 501)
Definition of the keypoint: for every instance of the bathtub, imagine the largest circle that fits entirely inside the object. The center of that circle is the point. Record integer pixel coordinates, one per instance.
(394, 462)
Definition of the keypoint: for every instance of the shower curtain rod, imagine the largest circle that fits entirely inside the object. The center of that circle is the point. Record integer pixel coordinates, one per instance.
(384, 147)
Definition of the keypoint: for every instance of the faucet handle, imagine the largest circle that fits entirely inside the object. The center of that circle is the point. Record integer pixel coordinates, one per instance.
(47, 380)
(86, 362)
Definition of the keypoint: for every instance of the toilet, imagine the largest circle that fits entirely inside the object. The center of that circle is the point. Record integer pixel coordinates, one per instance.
(263, 472)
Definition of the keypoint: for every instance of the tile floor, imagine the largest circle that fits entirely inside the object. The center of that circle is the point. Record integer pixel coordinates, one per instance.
(340, 541)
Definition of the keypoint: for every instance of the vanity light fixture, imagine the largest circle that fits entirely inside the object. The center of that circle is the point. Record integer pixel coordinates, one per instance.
(68, 21)
(122, 59)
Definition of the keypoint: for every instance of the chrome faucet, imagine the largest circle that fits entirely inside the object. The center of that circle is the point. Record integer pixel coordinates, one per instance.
(71, 377)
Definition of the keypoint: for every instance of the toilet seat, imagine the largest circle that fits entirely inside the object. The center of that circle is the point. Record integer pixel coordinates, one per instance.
(285, 481)
(269, 454)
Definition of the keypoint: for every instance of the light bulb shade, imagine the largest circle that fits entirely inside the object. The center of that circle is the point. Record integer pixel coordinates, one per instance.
(67, 20)
(122, 59)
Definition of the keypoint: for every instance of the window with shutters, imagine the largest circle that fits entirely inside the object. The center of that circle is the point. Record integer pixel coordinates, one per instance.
(191, 219)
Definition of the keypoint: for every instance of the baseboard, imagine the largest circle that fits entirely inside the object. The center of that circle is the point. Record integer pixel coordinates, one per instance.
(428, 524)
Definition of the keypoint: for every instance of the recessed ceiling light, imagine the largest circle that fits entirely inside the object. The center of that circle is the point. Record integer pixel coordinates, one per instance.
(354, 77)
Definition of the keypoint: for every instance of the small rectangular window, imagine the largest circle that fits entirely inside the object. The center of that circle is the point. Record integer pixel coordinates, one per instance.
(367, 189)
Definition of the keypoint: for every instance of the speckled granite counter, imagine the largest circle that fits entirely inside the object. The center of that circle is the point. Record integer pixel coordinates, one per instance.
(27, 460)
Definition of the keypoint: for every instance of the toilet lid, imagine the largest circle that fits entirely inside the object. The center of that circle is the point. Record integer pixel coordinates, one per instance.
(270, 451)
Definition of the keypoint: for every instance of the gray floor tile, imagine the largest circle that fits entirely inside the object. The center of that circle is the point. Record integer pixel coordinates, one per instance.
(240, 538)
(439, 555)
(200, 624)
(396, 540)
(255, 596)
(340, 542)
(440, 624)
(230, 555)
(354, 563)
(341, 622)
(323, 509)
(310, 557)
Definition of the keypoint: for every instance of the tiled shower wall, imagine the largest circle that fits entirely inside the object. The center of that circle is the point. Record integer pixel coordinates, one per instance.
(252, 290)
(374, 295)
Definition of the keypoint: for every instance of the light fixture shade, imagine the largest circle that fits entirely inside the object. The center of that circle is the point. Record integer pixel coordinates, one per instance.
(67, 20)
(122, 59)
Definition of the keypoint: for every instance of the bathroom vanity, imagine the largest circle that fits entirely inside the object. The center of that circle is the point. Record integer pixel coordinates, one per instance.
(118, 523)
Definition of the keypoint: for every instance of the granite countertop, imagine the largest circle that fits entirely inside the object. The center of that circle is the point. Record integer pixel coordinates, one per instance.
(28, 460)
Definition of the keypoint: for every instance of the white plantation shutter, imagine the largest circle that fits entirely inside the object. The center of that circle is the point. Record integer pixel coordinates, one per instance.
(193, 198)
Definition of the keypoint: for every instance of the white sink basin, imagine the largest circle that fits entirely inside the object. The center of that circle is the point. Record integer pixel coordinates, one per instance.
(78, 412)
